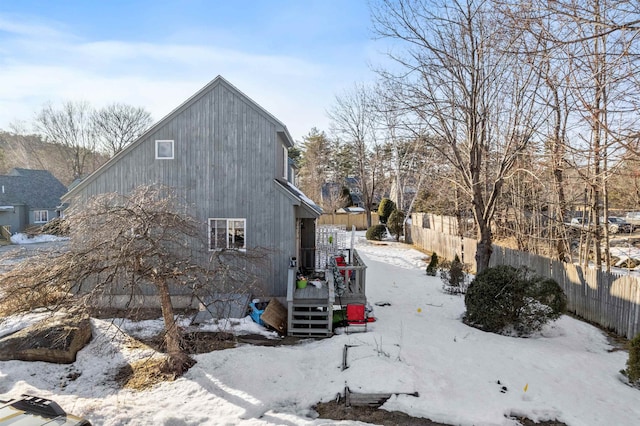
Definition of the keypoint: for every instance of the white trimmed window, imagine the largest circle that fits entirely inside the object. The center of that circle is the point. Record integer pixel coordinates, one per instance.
(164, 150)
(40, 216)
(227, 234)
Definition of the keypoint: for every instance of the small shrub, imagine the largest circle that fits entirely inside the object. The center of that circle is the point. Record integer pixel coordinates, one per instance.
(395, 223)
(454, 276)
(504, 299)
(376, 232)
(385, 209)
(633, 363)
(432, 267)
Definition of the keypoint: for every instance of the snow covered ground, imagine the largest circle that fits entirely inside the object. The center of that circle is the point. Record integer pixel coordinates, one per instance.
(37, 239)
(418, 344)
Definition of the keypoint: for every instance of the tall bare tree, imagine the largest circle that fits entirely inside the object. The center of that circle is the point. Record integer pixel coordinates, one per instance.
(461, 79)
(595, 43)
(353, 119)
(117, 125)
(71, 128)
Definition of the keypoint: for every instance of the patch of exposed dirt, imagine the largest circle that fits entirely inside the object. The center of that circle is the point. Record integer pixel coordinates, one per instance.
(144, 374)
(200, 342)
(338, 411)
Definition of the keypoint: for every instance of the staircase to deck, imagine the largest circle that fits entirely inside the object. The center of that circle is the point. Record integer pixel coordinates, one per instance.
(310, 310)
(310, 319)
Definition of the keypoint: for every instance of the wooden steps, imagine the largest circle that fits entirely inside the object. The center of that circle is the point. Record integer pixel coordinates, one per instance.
(308, 319)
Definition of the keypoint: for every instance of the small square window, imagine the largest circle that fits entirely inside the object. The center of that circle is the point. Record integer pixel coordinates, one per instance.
(164, 150)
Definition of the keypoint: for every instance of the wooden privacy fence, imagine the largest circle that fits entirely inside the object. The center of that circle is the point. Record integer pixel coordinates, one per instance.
(607, 299)
(348, 220)
(445, 245)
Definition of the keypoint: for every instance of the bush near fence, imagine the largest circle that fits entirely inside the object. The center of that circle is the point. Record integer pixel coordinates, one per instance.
(607, 299)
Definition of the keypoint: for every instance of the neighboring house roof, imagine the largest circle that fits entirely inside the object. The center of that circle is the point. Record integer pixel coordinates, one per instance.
(38, 189)
(352, 210)
(329, 189)
(305, 201)
(281, 130)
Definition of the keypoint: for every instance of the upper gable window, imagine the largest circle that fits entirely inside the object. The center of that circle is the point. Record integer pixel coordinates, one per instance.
(40, 216)
(164, 150)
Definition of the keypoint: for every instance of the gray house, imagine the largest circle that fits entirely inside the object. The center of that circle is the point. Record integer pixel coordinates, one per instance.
(29, 197)
(226, 156)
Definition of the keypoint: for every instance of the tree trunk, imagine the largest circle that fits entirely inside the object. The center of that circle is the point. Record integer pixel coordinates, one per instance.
(484, 249)
(178, 361)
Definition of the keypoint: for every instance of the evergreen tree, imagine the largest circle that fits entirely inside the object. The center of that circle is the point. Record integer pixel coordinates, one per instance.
(385, 209)
(432, 267)
(395, 223)
(316, 152)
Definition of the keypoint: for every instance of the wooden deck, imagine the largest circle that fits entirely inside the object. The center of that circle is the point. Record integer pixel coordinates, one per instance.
(310, 309)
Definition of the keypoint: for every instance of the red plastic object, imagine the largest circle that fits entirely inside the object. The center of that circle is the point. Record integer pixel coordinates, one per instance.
(356, 314)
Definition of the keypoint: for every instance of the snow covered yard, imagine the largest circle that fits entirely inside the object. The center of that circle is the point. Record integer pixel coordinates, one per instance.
(418, 344)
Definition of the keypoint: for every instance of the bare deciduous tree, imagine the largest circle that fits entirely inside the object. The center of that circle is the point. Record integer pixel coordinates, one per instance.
(71, 128)
(592, 45)
(117, 125)
(353, 118)
(460, 78)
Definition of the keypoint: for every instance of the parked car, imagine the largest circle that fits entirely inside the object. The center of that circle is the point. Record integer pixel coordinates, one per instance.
(579, 222)
(615, 224)
(33, 411)
(634, 219)
(618, 224)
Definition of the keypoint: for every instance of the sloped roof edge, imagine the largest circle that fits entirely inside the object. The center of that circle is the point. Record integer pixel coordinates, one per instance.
(299, 195)
(192, 99)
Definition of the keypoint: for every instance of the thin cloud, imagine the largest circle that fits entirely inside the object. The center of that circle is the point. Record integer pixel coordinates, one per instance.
(42, 62)
(15, 25)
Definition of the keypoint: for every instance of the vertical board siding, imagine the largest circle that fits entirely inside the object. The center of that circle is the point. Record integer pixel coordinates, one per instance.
(225, 151)
(607, 299)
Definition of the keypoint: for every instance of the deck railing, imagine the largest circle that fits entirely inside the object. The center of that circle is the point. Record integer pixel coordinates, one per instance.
(354, 276)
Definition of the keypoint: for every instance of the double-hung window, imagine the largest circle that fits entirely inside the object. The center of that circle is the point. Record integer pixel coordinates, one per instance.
(40, 216)
(227, 234)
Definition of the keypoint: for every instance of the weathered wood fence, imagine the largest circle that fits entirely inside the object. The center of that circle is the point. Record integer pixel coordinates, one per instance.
(607, 299)
(359, 220)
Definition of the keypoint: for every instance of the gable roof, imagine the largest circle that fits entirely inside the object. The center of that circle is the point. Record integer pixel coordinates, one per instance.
(38, 189)
(281, 129)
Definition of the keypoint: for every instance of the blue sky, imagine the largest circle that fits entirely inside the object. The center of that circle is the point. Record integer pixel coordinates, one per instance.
(291, 56)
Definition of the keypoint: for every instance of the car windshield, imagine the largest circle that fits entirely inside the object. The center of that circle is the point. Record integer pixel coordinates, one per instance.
(616, 220)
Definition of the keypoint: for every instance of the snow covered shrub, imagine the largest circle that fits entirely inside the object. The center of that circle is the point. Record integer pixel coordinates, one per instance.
(633, 363)
(454, 276)
(376, 232)
(395, 223)
(385, 209)
(507, 300)
(432, 267)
